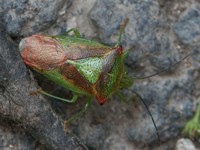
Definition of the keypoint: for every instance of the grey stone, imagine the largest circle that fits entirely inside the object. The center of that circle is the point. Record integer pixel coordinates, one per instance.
(188, 26)
(142, 32)
(18, 107)
(185, 144)
(25, 17)
(15, 138)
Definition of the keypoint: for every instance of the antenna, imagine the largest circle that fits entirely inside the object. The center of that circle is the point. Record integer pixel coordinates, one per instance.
(164, 70)
(148, 112)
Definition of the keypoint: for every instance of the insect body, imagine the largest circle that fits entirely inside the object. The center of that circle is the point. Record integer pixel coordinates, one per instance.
(83, 66)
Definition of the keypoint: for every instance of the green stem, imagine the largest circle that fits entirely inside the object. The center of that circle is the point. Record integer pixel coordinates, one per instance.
(192, 127)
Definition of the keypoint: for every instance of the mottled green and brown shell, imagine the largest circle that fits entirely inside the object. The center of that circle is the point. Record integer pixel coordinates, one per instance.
(83, 66)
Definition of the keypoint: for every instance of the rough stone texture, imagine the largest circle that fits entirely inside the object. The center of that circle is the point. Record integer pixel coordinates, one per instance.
(188, 26)
(25, 17)
(13, 137)
(33, 113)
(159, 34)
(185, 144)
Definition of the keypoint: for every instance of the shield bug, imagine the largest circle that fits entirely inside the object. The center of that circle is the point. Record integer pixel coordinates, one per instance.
(83, 66)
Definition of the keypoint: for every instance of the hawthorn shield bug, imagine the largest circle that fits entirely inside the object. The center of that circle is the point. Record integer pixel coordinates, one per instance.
(83, 66)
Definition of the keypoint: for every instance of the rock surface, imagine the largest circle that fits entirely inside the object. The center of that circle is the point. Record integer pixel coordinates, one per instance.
(159, 33)
(185, 144)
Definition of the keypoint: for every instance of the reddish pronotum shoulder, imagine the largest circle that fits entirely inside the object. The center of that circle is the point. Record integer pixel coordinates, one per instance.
(42, 52)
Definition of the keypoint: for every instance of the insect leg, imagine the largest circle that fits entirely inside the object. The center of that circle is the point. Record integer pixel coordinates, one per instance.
(75, 116)
(121, 97)
(74, 98)
(76, 32)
